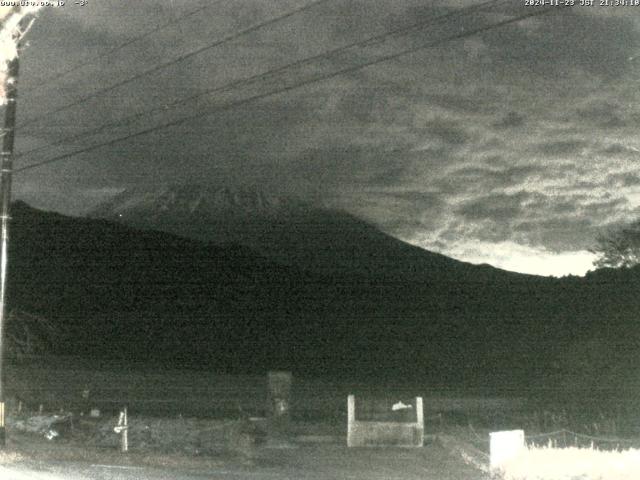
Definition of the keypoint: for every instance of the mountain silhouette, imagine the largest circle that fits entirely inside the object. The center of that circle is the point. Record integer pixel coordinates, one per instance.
(286, 230)
(149, 296)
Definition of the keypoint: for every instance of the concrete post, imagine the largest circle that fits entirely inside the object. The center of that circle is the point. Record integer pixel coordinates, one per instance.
(351, 419)
(505, 446)
(279, 402)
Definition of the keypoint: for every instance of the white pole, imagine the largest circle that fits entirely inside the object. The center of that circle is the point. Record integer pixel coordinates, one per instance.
(351, 419)
(125, 433)
(419, 412)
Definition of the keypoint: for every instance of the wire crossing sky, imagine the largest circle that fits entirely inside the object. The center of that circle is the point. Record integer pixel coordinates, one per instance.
(56, 76)
(285, 89)
(283, 69)
(175, 61)
(473, 134)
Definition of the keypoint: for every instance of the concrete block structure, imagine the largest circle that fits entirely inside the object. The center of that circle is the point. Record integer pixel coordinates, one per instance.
(384, 423)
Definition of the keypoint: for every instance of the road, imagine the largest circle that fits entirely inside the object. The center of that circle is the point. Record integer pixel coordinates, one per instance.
(305, 463)
(77, 471)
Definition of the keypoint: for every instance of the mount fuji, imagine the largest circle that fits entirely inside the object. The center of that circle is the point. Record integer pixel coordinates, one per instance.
(287, 230)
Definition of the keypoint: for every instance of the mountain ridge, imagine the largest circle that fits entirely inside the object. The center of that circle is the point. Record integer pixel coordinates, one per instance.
(287, 230)
(151, 296)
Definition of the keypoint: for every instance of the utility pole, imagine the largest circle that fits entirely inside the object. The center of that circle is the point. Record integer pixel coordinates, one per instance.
(6, 165)
(6, 170)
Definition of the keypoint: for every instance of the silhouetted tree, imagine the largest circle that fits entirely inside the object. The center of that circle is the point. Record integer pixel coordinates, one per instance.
(619, 247)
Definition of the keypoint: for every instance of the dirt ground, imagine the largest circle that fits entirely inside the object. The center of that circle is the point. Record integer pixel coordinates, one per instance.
(301, 457)
(309, 461)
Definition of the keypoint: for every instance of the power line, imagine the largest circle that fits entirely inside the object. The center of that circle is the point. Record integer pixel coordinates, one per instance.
(61, 74)
(177, 60)
(377, 38)
(286, 89)
(533, 13)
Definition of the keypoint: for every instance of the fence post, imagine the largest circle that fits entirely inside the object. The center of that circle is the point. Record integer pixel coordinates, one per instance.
(351, 419)
(420, 421)
(125, 433)
(279, 402)
(123, 429)
(504, 446)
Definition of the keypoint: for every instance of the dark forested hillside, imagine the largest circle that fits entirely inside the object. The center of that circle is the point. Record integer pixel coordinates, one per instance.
(116, 292)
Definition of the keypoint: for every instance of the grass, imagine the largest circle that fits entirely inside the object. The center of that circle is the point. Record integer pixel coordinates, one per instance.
(456, 452)
(41, 451)
(185, 436)
(196, 418)
(204, 394)
(545, 463)
(311, 461)
(8, 457)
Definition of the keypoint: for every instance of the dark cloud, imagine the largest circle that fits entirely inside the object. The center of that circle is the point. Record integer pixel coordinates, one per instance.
(558, 148)
(375, 104)
(358, 167)
(473, 140)
(510, 120)
(623, 180)
(450, 132)
(415, 209)
(535, 220)
(497, 208)
(617, 149)
(493, 178)
(397, 212)
(419, 198)
(494, 159)
(456, 103)
(393, 176)
(600, 45)
(574, 222)
(602, 114)
(557, 233)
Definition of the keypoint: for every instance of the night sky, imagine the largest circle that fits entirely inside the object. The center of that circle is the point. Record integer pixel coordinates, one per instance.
(515, 147)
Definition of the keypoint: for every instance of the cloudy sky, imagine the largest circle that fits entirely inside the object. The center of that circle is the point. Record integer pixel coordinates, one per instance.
(515, 146)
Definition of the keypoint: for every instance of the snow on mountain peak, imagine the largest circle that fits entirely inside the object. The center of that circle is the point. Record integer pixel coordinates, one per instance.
(194, 200)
